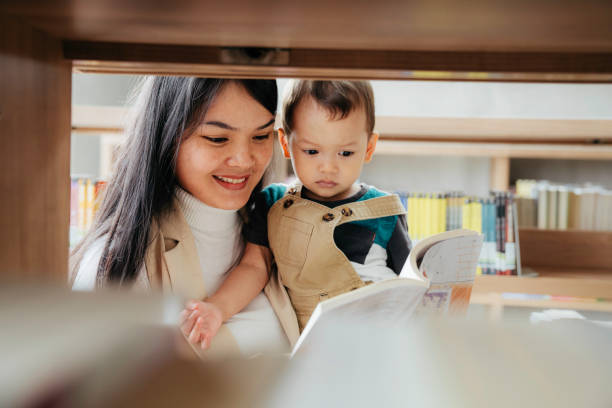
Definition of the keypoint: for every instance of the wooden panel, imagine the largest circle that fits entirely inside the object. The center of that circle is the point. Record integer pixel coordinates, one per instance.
(35, 87)
(418, 25)
(352, 59)
(253, 71)
(497, 300)
(322, 63)
(566, 249)
(490, 40)
(586, 288)
(495, 129)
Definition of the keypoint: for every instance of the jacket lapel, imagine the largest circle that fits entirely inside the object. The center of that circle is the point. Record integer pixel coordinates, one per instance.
(182, 266)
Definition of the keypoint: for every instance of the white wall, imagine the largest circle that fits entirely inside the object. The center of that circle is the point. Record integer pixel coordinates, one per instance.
(428, 174)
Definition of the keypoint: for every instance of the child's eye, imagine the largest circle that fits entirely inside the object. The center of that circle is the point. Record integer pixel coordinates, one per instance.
(216, 140)
(311, 151)
(262, 137)
(346, 153)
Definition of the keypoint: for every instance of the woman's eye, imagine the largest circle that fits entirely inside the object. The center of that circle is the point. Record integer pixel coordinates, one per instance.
(346, 153)
(262, 137)
(217, 140)
(311, 151)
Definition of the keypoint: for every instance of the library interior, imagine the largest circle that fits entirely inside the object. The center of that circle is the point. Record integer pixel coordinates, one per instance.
(494, 125)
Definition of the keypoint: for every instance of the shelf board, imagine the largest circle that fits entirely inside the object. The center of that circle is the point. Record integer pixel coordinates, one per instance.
(479, 41)
(555, 286)
(496, 299)
(566, 250)
(481, 149)
(511, 130)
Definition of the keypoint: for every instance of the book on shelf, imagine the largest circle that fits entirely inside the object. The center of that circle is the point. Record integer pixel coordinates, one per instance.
(85, 195)
(493, 216)
(545, 205)
(437, 278)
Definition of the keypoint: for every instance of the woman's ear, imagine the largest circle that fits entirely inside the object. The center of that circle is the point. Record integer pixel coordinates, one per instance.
(282, 138)
(371, 147)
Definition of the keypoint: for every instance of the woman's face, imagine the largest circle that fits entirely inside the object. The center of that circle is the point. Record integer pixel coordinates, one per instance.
(223, 159)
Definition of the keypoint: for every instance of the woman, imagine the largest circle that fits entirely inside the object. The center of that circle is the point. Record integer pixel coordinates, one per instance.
(197, 150)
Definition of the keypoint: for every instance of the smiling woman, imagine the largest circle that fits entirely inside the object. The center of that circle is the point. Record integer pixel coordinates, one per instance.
(195, 155)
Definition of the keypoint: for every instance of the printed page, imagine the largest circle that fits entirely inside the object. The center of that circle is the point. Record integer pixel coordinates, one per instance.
(387, 303)
(450, 266)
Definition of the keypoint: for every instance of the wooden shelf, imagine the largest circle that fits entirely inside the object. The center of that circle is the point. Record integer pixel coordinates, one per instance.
(510, 150)
(567, 250)
(480, 41)
(573, 287)
(497, 300)
(572, 264)
(508, 130)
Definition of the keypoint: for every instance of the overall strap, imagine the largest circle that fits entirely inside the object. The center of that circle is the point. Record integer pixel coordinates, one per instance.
(377, 207)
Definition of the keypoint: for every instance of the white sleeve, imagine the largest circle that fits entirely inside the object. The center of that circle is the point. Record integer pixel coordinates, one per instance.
(88, 269)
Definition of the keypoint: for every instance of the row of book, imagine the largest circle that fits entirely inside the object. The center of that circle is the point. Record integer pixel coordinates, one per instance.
(493, 216)
(545, 205)
(84, 193)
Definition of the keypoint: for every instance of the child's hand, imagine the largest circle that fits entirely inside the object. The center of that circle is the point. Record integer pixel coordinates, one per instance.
(200, 322)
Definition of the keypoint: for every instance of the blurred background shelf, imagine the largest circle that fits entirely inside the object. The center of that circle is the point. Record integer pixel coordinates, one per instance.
(574, 268)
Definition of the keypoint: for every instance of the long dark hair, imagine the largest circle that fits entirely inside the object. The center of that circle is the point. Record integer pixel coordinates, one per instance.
(143, 184)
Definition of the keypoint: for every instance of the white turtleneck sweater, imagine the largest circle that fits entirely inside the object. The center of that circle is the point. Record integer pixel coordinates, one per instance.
(218, 240)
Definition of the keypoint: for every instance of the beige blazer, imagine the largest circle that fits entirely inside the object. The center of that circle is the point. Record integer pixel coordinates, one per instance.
(172, 265)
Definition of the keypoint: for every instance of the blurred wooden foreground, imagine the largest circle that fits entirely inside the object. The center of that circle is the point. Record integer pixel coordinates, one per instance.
(66, 349)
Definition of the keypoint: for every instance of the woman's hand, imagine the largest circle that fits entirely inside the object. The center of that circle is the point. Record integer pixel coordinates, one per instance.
(200, 322)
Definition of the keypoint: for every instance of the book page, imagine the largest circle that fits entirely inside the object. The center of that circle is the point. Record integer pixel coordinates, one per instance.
(450, 266)
(388, 303)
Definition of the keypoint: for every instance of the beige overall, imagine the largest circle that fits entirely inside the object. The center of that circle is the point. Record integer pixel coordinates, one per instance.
(310, 265)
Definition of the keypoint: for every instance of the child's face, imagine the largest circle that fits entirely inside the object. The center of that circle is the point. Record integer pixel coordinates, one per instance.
(327, 154)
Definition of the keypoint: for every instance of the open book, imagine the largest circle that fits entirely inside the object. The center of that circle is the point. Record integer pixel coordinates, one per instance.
(436, 278)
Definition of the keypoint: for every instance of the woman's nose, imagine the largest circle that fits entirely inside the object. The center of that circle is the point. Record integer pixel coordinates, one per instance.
(241, 156)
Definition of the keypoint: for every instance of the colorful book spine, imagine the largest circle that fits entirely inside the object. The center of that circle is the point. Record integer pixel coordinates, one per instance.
(432, 213)
(85, 197)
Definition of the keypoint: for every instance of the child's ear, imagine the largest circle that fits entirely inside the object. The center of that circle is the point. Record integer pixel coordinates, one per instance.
(282, 138)
(371, 147)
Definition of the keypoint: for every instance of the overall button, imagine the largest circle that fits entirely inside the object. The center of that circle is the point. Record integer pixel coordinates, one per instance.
(347, 212)
(328, 217)
(288, 203)
(292, 191)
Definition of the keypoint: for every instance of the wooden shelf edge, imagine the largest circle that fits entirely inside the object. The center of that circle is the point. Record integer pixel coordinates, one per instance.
(511, 150)
(574, 287)
(495, 299)
(494, 129)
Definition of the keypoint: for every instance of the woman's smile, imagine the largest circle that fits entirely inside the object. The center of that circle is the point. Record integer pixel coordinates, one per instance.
(232, 182)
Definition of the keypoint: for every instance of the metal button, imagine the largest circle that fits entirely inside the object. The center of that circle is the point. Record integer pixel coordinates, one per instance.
(328, 217)
(288, 203)
(347, 212)
(292, 191)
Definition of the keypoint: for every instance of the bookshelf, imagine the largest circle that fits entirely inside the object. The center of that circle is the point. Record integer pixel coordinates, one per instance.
(42, 42)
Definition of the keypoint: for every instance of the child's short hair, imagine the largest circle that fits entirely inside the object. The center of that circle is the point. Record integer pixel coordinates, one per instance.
(339, 98)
